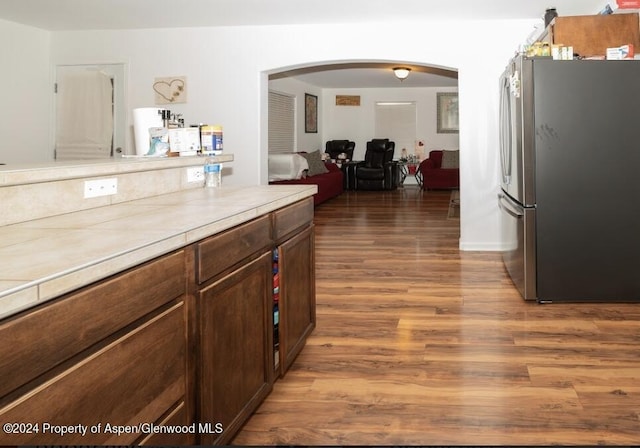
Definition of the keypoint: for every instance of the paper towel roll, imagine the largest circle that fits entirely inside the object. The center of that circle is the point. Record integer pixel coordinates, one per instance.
(143, 119)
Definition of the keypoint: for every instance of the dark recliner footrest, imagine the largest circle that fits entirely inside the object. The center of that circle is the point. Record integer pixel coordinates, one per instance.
(367, 173)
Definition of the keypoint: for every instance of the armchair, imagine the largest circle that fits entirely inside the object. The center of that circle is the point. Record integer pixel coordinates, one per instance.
(378, 171)
(439, 175)
(337, 147)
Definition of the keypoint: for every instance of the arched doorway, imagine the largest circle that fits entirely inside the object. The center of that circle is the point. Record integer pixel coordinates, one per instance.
(375, 87)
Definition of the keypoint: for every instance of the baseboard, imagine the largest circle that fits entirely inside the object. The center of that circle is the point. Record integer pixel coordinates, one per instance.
(481, 246)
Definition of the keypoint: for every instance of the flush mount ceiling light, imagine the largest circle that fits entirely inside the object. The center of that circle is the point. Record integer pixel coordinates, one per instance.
(401, 72)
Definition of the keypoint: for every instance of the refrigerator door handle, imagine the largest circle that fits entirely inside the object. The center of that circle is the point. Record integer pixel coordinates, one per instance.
(506, 137)
(505, 205)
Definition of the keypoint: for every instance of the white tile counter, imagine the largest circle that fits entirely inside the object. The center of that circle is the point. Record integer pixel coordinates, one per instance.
(20, 174)
(43, 258)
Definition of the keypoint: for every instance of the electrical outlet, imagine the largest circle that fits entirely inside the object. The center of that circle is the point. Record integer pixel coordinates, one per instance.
(100, 187)
(195, 174)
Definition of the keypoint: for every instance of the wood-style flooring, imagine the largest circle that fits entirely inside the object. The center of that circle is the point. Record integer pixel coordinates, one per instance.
(418, 343)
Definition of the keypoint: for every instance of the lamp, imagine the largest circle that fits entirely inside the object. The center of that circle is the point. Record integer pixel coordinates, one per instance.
(401, 72)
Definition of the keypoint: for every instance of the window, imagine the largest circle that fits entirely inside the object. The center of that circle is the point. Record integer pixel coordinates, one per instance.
(397, 122)
(281, 123)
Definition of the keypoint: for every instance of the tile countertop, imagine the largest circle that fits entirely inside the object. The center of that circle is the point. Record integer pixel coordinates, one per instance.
(44, 258)
(18, 174)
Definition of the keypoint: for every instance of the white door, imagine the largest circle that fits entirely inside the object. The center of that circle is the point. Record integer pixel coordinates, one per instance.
(89, 118)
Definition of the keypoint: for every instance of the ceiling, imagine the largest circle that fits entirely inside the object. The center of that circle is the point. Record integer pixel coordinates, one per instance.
(57, 15)
(68, 15)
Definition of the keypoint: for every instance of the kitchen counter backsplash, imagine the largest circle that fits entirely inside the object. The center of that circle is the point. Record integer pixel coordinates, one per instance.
(30, 192)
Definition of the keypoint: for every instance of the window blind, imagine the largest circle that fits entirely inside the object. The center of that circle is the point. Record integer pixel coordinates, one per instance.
(397, 122)
(281, 123)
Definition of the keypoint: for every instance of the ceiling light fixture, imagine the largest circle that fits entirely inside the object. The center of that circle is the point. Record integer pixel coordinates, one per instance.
(401, 72)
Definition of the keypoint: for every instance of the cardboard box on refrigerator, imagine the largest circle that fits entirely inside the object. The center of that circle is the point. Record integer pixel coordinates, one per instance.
(628, 4)
(620, 53)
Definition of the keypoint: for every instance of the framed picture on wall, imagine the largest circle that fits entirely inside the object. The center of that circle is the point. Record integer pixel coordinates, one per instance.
(448, 113)
(310, 113)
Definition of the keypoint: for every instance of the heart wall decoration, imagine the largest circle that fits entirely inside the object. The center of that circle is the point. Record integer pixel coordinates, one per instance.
(170, 90)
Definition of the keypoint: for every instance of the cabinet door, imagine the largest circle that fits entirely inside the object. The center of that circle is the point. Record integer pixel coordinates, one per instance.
(236, 358)
(297, 294)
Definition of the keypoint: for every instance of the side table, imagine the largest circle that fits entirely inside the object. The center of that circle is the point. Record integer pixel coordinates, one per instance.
(409, 169)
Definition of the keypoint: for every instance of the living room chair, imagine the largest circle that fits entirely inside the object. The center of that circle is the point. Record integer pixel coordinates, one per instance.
(378, 171)
(336, 147)
(441, 171)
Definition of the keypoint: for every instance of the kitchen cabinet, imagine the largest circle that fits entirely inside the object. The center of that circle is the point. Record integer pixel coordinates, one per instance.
(297, 304)
(235, 312)
(114, 353)
(235, 326)
(235, 364)
(182, 341)
(592, 35)
(293, 233)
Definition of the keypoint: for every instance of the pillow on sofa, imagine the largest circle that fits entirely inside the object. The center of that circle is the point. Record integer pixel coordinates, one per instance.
(286, 166)
(450, 159)
(316, 165)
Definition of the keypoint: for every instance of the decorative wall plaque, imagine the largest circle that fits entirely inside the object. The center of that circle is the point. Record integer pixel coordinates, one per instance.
(347, 100)
(170, 90)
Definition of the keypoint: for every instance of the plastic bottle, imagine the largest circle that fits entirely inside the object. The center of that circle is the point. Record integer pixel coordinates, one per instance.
(549, 15)
(212, 172)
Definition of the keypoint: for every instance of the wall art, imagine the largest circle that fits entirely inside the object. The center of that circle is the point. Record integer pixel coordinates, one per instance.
(448, 113)
(170, 90)
(310, 113)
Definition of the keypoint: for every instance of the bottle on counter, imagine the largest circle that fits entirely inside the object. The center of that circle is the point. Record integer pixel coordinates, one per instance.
(212, 172)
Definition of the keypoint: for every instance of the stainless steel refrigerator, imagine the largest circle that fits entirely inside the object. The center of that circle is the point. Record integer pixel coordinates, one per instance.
(570, 168)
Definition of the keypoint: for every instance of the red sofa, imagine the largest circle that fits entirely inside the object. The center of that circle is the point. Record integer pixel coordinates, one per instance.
(329, 184)
(434, 177)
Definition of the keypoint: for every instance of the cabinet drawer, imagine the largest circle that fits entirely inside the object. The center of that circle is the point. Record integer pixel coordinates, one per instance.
(295, 216)
(222, 251)
(177, 417)
(45, 337)
(136, 379)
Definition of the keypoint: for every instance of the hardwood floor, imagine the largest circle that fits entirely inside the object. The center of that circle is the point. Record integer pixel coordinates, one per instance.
(418, 343)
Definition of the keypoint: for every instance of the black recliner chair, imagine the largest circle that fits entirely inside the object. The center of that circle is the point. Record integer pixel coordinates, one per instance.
(337, 147)
(378, 171)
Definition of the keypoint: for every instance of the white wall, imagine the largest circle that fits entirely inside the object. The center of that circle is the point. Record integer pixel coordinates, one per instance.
(357, 123)
(25, 124)
(227, 67)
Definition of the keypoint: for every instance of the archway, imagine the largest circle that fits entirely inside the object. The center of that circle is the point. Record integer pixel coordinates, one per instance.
(422, 88)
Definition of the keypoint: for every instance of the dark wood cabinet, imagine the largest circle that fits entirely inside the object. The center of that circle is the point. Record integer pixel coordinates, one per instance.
(235, 355)
(47, 336)
(112, 354)
(297, 295)
(227, 250)
(293, 233)
(591, 35)
(183, 341)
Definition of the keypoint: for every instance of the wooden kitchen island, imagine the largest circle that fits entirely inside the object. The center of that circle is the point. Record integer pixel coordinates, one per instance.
(147, 319)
